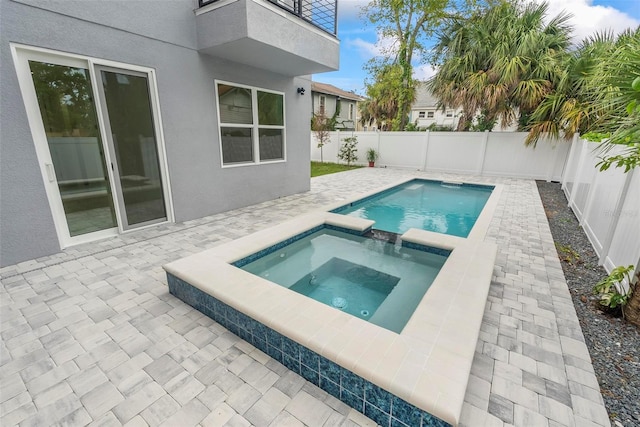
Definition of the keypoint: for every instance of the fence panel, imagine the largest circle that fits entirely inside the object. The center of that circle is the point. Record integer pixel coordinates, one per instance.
(506, 158)
(569, 177)
(478, 153)
(598, 215)
(402, 149)
(460, 152)
(606, 203)
(625, 243)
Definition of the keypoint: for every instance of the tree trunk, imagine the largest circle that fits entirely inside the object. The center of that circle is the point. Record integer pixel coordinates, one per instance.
(632, 308)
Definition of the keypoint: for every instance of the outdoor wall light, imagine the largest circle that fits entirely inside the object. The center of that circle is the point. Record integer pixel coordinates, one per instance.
(301, 91)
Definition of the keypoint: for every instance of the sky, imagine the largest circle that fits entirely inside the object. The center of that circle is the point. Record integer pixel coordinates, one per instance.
(359, 40)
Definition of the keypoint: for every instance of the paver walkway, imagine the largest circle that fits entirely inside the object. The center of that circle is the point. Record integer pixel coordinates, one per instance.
(92, 336)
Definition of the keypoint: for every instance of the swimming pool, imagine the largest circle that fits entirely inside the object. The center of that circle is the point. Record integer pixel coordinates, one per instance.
(372, 279)
(438, 206)
(417, 377)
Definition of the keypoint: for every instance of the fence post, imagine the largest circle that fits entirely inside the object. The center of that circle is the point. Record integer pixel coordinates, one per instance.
(485, 140)
(576, 184)
(553, 164)
(617, 212)
(425, 150)
(590, 199)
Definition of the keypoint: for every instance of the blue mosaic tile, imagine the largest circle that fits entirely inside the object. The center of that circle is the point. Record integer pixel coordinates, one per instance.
(330, 387)
(310, 358)
(380, 417)
(347, 230)
(245, 335)
(260, 344)
(291, 348)
(330, 370)
(429, 420)
(274, 352)
(406, 412)
(274, 338)
(397, 423)
(309, 374)
(352, 400)
(291, 363)
(426, 248)
(259, 331)
(243, 320)
(353, 383)
(378, 397)
(335, 380)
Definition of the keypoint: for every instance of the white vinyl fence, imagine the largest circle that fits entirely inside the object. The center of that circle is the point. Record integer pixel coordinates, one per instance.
(607, 204)
(477, 153)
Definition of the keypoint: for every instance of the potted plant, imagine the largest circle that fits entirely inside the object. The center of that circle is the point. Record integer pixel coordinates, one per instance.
(372, 156)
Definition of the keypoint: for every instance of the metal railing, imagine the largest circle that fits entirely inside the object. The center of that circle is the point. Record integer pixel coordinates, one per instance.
(319, 13)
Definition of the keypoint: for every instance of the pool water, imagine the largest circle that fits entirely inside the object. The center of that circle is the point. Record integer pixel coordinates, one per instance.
(447, 208)
(371, 279)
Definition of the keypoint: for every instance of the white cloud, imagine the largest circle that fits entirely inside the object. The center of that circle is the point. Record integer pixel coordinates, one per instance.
(350, 8)
(424, 72)
(368, 50)
(589, 18)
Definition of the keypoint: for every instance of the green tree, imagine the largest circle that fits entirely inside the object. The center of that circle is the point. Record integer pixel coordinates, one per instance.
(409, 24)
(382, 104)
(502, 61)
(571, 107)
(348, 151)
(321, 127)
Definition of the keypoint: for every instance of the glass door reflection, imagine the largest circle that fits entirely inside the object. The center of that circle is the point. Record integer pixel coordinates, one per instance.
(131, 134)
(67, 108)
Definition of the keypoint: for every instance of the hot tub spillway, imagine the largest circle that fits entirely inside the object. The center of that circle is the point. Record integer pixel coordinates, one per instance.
(385, 236)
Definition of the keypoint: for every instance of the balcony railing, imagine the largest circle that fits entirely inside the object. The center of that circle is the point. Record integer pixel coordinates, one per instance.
(320, 13)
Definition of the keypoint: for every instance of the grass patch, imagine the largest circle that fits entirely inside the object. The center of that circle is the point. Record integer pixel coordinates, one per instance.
(318, 168)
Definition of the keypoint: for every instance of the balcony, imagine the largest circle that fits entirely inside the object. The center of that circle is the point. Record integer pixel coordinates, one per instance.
(290, 37)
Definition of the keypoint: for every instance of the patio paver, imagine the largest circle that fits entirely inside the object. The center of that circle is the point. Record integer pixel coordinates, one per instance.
(92, 336)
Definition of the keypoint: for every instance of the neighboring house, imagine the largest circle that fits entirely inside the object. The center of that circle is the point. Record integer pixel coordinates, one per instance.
(327, 99)
(119, 115)
(425, 111)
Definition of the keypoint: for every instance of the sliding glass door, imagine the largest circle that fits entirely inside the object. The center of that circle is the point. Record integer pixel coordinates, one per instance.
(131, 135)
(96, 131)
(65, 99)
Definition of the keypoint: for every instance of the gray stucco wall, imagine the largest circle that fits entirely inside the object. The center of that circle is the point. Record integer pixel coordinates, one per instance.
(185, 79)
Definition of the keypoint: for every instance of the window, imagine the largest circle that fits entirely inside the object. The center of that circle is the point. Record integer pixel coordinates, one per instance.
(251, 124)
(449, 113)
(421, 115)
(429, 114)
(322, 102)
(350, 111)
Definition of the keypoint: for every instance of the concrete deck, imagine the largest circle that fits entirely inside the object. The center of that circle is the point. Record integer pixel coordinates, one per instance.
(92, 336)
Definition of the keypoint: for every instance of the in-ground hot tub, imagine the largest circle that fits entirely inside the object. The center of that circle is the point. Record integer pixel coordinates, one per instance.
(368, 277)
(415, 377)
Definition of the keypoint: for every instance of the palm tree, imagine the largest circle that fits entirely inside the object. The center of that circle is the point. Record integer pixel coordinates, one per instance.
(502, 61)
(571, 107)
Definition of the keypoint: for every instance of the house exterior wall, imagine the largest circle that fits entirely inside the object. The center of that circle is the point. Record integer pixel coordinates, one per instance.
(330, 109)
(162, 36)
(439, 117)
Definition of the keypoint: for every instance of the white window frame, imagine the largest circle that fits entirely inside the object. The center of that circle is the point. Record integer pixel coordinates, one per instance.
(351, 108)
(255, 126)
(323, 104)
(449, 114)
(430, 114)
(421, 114)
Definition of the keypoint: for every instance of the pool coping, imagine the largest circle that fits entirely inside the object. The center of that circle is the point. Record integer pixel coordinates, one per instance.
(427, 364)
